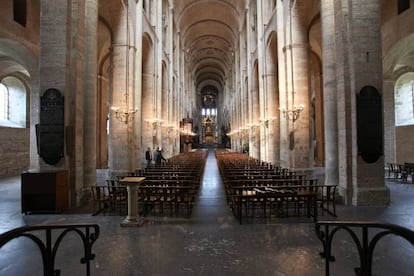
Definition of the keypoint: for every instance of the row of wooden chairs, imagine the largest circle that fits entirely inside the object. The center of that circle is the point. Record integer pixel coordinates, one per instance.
(107, 198)
(167, 187)
(401, 171)
(244, 174)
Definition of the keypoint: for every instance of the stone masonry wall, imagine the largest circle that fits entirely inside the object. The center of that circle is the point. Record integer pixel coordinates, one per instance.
(14, 150)
(404, 138)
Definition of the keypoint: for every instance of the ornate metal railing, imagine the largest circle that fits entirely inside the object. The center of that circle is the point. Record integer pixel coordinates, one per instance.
(88, 233)
(365, 244)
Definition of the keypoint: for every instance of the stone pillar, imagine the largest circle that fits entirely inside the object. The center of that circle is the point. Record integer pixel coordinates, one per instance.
(329, 92)
(389, 121)
(272, 125)
(140, 148)
(53, 72)
(261, 88)
(297, 58)
(360, 23)
(282, 24)
(90, 93)
(121, 136)
(272, 122)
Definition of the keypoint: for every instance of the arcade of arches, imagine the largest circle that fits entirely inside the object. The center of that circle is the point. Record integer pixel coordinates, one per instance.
(279, 80)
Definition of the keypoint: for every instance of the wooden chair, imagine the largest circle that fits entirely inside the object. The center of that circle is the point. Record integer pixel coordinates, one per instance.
(100, 199)
(391, 169)
(326, 198)
(118, 198)
(408, 170)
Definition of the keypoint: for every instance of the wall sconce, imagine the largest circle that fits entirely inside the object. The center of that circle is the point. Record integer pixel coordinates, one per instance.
(154, 123)
(266, 121)
(124, 115)
(170, 128)
(293, 113)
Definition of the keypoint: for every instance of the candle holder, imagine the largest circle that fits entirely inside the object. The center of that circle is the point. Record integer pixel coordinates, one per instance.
(124, 115)
(293, 113)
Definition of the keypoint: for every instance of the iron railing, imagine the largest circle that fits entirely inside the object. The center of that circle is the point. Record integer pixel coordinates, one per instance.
(88, 233)
(326, 230)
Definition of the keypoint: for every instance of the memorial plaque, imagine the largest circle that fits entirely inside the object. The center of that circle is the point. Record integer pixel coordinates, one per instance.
(369, 124)
(51, 127)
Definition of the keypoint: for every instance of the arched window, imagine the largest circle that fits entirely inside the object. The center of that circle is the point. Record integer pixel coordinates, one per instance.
(13, 103)
(4, 103)
(404, 100)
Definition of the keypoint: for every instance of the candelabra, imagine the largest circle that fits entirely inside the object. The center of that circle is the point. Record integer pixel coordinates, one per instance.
(154, 122)
(266, 121)
(124, 115)
(293, 113)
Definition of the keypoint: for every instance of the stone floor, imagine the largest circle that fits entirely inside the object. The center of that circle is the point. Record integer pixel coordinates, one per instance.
(210, 242)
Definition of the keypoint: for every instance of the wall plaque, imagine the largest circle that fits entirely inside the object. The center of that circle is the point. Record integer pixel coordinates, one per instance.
(369, 124)
(51, 127)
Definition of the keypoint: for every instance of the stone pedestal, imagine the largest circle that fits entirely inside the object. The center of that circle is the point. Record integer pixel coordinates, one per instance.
(132, 219)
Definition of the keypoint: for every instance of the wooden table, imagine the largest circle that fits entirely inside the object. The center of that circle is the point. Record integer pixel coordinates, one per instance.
(132, 218)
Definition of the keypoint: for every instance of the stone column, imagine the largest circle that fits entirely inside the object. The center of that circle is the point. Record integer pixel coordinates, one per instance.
(360, 22)
(137, 84)
(53, 71)
(282, 82)
(297, 57)
(271, 123)
(120, 135)
(90, 93)
(389, 121)
(329, 92)
(262, 91)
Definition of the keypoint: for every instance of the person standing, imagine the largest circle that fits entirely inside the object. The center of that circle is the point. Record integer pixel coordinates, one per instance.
(155, 155)
(148, 157)
(159, 157)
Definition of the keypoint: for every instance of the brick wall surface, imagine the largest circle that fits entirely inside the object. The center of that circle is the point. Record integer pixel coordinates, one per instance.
(14, 150)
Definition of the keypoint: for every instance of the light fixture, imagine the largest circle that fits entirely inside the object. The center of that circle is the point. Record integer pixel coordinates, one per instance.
(126, 115)
(170, 128)
(154, 122)
(292, 113)
(266, 121)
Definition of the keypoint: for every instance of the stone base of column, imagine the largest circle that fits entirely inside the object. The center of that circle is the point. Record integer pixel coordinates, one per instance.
(375, 196)
(136, 222)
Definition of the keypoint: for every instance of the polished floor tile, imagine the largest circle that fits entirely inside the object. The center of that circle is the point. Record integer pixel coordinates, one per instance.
(210, 242)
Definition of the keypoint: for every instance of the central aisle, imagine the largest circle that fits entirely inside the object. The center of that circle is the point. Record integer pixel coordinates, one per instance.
(211, 205)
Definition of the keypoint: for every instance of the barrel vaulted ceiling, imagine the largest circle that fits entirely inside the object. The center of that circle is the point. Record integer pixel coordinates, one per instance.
(209, 30)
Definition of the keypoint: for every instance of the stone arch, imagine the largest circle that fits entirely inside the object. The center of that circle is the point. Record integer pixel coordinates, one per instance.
(103, 93)
(316, 124)
(149, 108)
(397, 62)
(271, 84)
(404, 99)
(18, 62)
